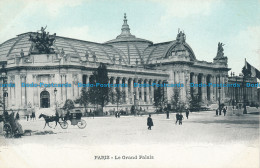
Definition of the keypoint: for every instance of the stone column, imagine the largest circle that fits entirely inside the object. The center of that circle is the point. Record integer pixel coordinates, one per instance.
(142, 89)
(23, 92)
(137, 89)
(217, 88)
(112, 79)
(152, 91)
(62, 100)
(182, 81)
(211, 88)
(203, 89)
(120, 83)
(79, 81)
(195, 81)
(35, 92)
(206, 88)
(126, 88)
(30, 90)
(69, 80)
(188, 89)
(13, 91)
(224, 88)
(147, 90)
(131, 91)
(74, 85)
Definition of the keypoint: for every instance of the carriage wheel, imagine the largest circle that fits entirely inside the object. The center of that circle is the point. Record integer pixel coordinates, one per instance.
(82, 124)
(63, 124)
(7, 130)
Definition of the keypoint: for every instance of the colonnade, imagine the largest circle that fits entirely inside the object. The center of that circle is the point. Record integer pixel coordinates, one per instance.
(134, 90)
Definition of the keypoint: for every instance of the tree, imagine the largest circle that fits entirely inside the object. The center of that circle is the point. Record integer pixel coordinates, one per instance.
(99, 93)
(194, 103)
(119, 95)
(176, 102)
(158, 98)
(68, 105)
(83, 99)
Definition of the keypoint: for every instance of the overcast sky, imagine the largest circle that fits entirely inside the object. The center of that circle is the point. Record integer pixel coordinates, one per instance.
(236, 23)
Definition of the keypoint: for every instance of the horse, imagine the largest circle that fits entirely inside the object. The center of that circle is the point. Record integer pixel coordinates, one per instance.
(49, 119)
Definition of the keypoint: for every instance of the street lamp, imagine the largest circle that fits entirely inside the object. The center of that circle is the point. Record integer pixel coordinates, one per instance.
(4, 89)
(246, 73)
(55, 93)
(4, 95)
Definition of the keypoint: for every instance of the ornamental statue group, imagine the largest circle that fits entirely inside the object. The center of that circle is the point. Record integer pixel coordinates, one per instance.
(42, 42)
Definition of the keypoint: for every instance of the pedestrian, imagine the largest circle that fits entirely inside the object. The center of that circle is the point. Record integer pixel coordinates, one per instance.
(220, 111)
(180, 118)
(33, 115)
(216, 112)
(17, 116)
(177, 117)
(187, 113)
(224, 111)
(149, 122)
(167, 114)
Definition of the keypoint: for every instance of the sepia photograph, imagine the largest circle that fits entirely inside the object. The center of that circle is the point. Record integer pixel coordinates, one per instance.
(129, 83)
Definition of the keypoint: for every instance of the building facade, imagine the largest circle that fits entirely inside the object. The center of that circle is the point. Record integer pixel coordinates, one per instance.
(128, 59)
(244, 90)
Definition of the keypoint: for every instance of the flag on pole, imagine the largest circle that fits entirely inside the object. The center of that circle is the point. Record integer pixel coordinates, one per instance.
(254, 72)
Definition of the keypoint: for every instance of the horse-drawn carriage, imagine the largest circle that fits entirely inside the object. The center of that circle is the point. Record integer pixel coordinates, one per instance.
(11, 127)
(73, 116)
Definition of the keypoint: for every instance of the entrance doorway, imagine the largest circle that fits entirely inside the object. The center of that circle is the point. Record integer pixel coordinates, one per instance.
(45, 99)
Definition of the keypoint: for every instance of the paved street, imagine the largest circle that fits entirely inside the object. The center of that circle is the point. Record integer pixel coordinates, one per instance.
(204, 140)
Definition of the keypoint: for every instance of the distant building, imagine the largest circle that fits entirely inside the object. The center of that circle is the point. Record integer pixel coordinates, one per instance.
(129, 60)
(239, 93)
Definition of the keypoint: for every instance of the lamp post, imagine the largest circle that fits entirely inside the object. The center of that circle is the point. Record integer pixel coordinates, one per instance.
(55, 94)
(244, 95)
(4, 95)
(4, 90)
(246, 73)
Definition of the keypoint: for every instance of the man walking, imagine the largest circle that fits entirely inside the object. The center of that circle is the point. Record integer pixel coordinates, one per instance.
(187, 113)
(149, 122)
(180, 118)
(224, 111)
(177, 117)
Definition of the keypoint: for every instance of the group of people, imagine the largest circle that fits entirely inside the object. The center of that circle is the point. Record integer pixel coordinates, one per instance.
(179, 118)
(117, 114)
(219, 110)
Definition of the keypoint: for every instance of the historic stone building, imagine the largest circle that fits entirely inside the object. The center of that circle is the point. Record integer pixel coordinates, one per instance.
(240, 94)
(129, 59)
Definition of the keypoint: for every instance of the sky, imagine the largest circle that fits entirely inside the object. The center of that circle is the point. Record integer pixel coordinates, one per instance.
(236, 23)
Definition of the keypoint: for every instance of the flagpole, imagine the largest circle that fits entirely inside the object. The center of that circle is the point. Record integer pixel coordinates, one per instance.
(243, 84)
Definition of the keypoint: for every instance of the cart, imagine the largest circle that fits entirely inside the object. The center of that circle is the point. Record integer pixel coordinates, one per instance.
(75, 118)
